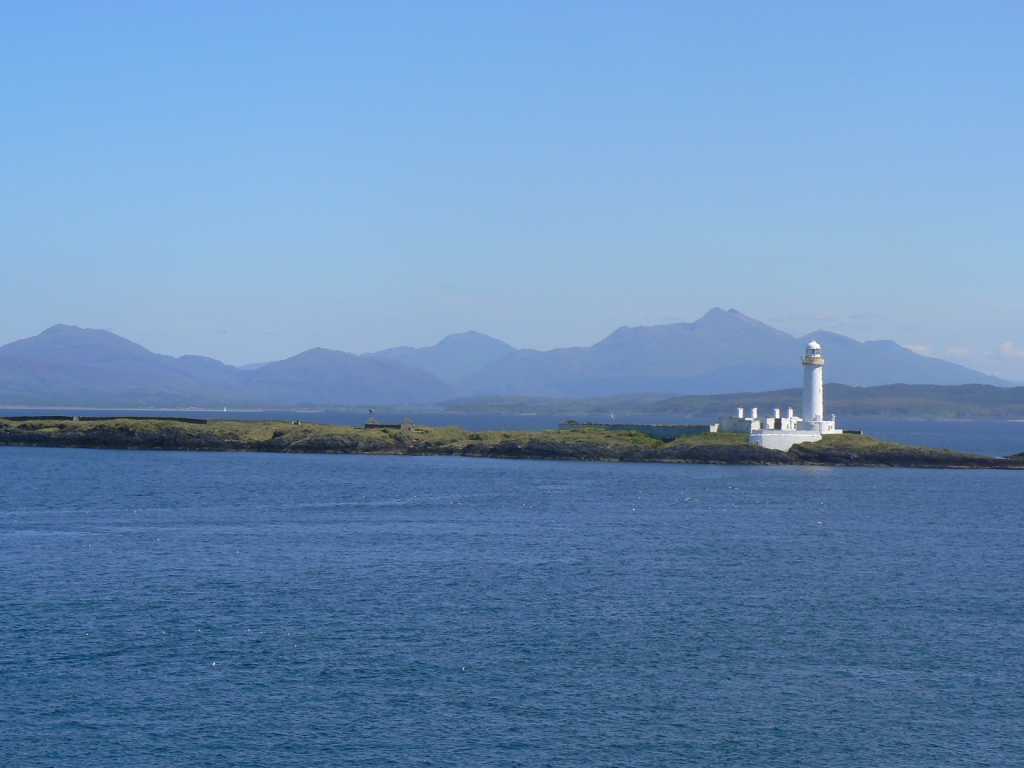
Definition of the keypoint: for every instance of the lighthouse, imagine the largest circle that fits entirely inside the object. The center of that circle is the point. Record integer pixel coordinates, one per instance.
(814, 387)
(781, 432)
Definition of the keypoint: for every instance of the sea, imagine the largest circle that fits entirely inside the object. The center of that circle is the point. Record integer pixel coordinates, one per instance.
(218, 609)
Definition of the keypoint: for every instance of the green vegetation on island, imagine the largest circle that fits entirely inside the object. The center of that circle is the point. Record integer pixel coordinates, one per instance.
(585, 444)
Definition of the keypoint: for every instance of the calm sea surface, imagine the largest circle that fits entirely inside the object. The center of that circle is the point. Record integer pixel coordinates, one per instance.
(186, 609)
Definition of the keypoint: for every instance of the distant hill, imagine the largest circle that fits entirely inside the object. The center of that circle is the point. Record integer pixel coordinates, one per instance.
(724, 351)
(325, 376)
(65, 365)
(918, 401)
(452, 358)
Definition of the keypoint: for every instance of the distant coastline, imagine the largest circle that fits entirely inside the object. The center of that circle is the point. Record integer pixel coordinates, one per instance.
(154, 433)
(968, 402)
(894, 401)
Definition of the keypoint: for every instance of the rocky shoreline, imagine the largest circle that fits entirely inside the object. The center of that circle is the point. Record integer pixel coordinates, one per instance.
(584, 445)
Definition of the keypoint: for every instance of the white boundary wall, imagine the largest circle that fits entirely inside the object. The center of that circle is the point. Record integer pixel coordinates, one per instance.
(783, 440)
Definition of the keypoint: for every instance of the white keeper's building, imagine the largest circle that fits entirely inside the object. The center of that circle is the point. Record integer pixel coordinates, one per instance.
(781, 432)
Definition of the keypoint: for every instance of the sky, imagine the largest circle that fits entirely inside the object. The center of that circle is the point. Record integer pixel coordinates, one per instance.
(247, 180)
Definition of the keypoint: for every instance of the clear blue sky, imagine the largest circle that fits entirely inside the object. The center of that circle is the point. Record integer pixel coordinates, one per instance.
(248, 180)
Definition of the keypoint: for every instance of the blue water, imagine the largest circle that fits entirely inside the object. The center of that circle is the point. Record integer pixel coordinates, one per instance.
(185, 609)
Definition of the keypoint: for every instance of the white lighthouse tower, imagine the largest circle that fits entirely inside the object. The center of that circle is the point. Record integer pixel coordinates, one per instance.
(781, 432)
(814, 387)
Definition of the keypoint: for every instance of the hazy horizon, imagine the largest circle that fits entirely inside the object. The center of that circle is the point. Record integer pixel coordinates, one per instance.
(247, 181)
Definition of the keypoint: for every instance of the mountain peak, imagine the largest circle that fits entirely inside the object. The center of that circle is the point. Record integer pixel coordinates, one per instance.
(65, 331)
(719, 316)
(69, 343)
(474, 338)
(60, 328)
(454, 356)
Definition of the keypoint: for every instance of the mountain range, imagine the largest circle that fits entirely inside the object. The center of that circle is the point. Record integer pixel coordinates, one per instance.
(722, 352)
(69, 366)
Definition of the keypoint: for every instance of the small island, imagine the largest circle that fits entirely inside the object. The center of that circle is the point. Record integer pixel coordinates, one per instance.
(154, 433)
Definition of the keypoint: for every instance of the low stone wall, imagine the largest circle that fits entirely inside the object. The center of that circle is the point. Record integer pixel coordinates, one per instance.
(657, 431)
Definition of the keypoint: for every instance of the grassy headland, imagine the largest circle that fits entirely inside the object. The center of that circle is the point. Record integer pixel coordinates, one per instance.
(586, 444)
